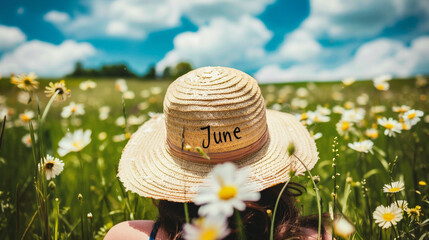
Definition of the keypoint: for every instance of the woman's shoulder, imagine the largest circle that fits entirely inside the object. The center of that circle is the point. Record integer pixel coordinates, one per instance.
(137, 229)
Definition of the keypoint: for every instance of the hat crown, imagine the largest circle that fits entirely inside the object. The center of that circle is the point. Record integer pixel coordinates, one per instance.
(216, 108)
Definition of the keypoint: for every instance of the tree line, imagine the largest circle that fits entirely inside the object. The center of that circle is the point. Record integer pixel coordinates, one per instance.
(121, 70)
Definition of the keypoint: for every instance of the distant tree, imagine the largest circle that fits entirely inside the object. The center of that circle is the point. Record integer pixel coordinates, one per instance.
(151, 73)
(78, 70)
(182, 68)
(166, 73)
(116, 70)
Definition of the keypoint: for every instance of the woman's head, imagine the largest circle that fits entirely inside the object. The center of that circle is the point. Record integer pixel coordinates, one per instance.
(256, 217)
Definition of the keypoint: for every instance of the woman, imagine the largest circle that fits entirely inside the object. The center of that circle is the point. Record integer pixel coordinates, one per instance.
(214, 115)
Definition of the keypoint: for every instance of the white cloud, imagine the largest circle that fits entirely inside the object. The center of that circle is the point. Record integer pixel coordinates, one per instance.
(366, 18)
(56, 17)
(221, 42)
(10, 37)
(136, 19)
(45, 59)
(299, 46)
(380, 56)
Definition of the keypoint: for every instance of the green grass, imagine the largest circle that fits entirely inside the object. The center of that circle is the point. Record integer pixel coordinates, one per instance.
(105, 197)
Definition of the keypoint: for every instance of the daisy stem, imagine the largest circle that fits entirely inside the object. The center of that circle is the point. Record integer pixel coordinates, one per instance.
(396, 232)
(57, 213)
(316, 189)
(241, 235)
(48, 106)
(185, 206)
(273, 218)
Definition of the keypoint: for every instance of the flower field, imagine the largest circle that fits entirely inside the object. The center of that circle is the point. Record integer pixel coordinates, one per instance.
(62, 141)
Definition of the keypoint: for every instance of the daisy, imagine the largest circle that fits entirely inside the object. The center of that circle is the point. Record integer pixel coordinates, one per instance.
(73, 108)
(387, 216)
(129, 94)
(394, 187)
(392, 126)
(344, 127)
(348, 81)
(371, 133)
(316, 117)
(211, 228)
(26, 82)
(60, 87)
(121, 85)
(26, 139)
(401, 109)
(85, 85)
(26, 116)
(363, 146)
(402, 204)
(52, 166)
(156, 90)
(74, 142)
(414, 212)
(353, 115)
(103, 112)
(224, 189)
(343, 227)
(382, 86)
(412, 116)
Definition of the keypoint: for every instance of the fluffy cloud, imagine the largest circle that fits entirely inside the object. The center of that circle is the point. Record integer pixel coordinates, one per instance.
(45, 59)
(374, 58)
(56, 17)
(135, 19)
(221, 42)
(10, 37)
(366, 18)
(299, 46)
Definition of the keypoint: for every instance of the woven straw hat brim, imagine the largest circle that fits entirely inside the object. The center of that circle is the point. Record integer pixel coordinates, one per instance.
(148, 169)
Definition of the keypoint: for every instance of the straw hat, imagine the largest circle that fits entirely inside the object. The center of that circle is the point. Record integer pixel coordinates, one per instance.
(221, 111)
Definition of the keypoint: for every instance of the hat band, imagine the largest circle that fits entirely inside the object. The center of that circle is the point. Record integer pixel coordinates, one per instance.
(219, 157)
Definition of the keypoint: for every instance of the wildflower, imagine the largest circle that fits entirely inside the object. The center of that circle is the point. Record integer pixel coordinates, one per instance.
(85, 85)
(52, 166)
(72, 108)
(348, 81)
(156, 90)
(298, 103)
(210, 228)
(343, 127)
(392, 126)
(422, 183)
(129, 95)
(74, 142)
(102, 136)
(302, 92)
(402, 204)
(363, 146)
(387, 216)
(26, 116)
(362, 99)
(119, 138)
(353, 115)
(316, 136)
(338, 109)
(382, 86)
(414, 212)
(343, 227)
(26, 139)
(134, 120)
(412, 116)
(23, 97)
(60, 87)
(145, 93)
(26, 82)
(371, 133)
(103, 112)
(401, 109)
(121, 85)
(377, 109)
(120, 121)
(394, 187)
(226, 188)
(316, 117)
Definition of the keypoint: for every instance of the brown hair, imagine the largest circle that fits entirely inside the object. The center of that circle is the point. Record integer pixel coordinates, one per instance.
(256, 220)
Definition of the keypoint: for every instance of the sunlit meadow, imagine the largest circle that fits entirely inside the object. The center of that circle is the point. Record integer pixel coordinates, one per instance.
(372, 138)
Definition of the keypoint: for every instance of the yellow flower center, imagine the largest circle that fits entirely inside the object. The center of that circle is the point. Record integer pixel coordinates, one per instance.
(394, 189)
(380, 86)
(25, 118)
(73, 109)
(388, 126)
(411, 115)
(77, 144)
(345, 126)
(208, 234)
(303, 116)
(388, 217)
(227, 192)
(422, 183)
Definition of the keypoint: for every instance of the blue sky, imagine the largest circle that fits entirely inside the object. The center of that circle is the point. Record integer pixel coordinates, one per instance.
(274, 40)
